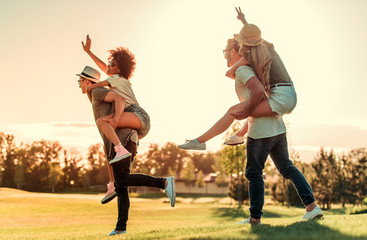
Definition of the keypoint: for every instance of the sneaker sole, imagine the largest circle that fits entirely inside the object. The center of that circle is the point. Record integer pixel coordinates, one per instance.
(233, 144)
(188, 148)
(108, 198)
(120, 158)
(173, 201)
(319, 216)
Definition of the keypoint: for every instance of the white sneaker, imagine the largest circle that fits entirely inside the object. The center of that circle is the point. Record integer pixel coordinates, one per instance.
(248, 221)
(193, 145)
(121, 153)
(234, 140)
(316, 213)
(170, 190)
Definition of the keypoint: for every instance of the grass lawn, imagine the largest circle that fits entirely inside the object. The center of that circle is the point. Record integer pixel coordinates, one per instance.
(25, 215)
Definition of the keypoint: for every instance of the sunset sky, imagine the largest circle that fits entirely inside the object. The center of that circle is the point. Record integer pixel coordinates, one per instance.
(179, 77)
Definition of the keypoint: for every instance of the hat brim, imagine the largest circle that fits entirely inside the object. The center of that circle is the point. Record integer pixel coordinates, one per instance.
(239, 38)
(91, 79)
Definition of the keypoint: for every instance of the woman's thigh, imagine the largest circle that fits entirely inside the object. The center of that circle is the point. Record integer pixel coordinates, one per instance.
(129, 119)
(261, 110)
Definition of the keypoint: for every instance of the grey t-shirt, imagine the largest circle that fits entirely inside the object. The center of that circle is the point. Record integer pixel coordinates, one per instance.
(101, 109)
(278, 72)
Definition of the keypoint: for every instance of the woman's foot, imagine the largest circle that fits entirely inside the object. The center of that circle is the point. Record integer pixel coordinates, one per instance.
(116, 232)
(170, 190)
(193, 145)
(250, 221)
(234, 140)
(316, 213)
(121, 153)
(111, 194)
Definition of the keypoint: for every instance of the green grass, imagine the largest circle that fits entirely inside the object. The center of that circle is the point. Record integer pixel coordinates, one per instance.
(25, 215)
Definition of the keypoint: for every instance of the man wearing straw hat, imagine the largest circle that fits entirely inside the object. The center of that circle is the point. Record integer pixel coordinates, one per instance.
(102, 103)
(258, 149)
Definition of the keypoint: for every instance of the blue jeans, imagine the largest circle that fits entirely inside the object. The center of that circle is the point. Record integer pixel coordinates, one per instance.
(258, 151)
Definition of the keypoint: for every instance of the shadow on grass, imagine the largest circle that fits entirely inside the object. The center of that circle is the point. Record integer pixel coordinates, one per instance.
(299, 230)
(229, 213)
(308, 230)
(232, 213)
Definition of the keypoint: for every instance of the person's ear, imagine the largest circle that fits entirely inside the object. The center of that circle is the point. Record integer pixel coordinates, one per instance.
(233, 51)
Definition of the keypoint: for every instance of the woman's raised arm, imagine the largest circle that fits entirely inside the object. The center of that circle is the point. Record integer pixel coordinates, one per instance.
(98, 61)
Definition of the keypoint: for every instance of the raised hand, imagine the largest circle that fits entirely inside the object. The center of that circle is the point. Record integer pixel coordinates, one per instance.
(87, 44)
(240, 15)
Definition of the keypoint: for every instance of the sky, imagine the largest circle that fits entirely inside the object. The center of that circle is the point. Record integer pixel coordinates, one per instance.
(179, 78)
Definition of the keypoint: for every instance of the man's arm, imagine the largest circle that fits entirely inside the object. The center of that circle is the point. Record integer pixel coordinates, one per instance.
(119, 102)
(231, 73)
(256, 95)
(104, 83)
(95, 85)
(98, 61)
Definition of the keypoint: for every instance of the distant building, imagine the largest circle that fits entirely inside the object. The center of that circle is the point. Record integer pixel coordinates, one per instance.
(210, 187)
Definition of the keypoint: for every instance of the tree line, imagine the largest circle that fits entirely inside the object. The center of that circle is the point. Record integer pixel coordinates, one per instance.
(46, 166)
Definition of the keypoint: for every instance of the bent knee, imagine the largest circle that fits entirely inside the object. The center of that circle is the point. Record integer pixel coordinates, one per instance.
(232, 111)
(100, 122)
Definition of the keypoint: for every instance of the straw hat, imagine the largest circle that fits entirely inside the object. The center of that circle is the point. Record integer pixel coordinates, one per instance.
(250, 35)
(90, 74)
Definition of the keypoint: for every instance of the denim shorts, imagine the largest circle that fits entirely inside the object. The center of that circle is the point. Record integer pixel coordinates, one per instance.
(282, 99)
(144, 119)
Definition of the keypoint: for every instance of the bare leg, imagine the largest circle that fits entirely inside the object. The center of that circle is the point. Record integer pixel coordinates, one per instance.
(311, 207)
(109, 168)
(127, 119)
(110, 173)
(235, 112)
(243, 130)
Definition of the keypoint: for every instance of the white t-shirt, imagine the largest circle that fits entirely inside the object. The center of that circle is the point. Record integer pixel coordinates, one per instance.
(258, 127)
(122, 86)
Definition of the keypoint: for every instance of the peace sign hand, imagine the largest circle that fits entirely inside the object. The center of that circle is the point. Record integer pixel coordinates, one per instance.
(240, 15)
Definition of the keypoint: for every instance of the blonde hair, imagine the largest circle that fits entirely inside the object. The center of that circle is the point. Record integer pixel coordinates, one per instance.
(260, 60)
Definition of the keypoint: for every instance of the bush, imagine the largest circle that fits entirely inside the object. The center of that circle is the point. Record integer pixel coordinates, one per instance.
(357, 210)
(236, 188)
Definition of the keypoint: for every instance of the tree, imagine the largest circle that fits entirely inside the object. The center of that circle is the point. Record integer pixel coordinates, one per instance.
(326, 178)
(159, 160)
(221, 177)
(281, 189)
(188, 173)
(97, 165)
(357, 175)
(71, 172)
(238, 190)
(203, 162)
(55, 174)
(40, 157)
(19, 176)
(8, 150)
(234, 160)
(200, 183)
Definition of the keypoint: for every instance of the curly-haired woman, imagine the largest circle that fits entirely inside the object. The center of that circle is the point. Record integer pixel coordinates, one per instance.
(129, 114)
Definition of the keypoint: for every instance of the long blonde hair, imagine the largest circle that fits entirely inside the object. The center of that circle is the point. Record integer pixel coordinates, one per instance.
(260, 60)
